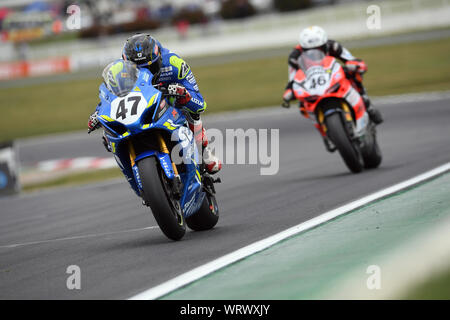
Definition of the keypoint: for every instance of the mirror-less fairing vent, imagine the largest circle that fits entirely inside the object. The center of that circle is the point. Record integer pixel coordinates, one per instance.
(148, 116)
(119, 128)
(162, 108)
(334, 88)
(109, 132)
(311, 99)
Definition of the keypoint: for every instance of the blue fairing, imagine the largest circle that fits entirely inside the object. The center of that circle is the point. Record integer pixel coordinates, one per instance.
(141, 110)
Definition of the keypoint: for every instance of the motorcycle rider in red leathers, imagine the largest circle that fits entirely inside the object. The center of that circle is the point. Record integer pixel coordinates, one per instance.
(316, 38)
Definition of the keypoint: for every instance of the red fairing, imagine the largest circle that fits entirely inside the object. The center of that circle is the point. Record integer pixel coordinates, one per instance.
(328, 62)
(336, 86)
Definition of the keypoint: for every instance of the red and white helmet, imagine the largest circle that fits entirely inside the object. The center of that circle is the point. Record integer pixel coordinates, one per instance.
(313, 37)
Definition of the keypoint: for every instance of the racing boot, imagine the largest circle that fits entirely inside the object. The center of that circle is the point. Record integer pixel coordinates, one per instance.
(212, 163)
(374, 114)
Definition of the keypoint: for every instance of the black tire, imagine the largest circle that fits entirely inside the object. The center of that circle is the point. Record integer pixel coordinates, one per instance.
(155, 194)
(340, 138)
(373, 156)
(205, 218)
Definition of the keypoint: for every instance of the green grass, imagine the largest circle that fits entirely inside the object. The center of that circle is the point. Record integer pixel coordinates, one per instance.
(59, 38)
(75, 179)
(65, 106)
(436, 288)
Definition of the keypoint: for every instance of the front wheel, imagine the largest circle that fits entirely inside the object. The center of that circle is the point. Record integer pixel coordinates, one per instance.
(157, 195)
(337, 133)
(372, 153)
(206, 217)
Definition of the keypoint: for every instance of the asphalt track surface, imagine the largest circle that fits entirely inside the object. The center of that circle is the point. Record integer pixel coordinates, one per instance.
(103, 228)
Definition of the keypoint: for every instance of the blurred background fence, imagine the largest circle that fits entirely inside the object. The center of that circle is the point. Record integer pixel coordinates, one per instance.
(36, 39)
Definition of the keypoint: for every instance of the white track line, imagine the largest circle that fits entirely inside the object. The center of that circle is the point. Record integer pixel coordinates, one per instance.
(15, 245)
(201, 271)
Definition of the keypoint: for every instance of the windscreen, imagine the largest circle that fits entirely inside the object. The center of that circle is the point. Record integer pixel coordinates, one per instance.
(317, 79)
(311, 58)
(120, 77)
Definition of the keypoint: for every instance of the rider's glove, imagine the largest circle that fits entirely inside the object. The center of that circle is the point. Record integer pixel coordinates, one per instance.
(354, 66)
(287, 97)
(180, 92)
(93, 122)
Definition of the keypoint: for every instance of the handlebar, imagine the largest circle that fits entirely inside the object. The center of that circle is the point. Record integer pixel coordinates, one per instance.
(163, 90)
(93, 129)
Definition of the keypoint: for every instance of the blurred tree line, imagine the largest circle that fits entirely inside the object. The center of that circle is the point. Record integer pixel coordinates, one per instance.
(236, 9)
(186, 16)
(291, 5)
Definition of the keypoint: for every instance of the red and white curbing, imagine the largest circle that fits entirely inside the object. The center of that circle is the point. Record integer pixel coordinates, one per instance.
(75, 164)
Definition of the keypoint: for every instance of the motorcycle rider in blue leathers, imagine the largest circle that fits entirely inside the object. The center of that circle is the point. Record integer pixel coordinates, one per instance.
(174, 75)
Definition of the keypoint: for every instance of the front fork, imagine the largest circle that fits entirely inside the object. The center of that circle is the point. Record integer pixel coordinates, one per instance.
(347, 117)
(176, 182)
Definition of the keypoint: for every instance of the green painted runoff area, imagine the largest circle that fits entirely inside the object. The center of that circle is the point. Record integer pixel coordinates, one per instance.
(309, 264)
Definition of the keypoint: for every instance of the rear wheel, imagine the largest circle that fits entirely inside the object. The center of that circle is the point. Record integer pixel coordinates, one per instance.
(206, 217)
(157, 195)
(337, 133)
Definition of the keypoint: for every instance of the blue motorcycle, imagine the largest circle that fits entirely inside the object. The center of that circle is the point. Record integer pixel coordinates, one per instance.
(156, 150)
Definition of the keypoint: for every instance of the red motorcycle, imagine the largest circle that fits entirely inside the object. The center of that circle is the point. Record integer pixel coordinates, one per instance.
(332, 101)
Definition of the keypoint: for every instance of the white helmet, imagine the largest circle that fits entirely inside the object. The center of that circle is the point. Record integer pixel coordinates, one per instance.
(313, 37)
